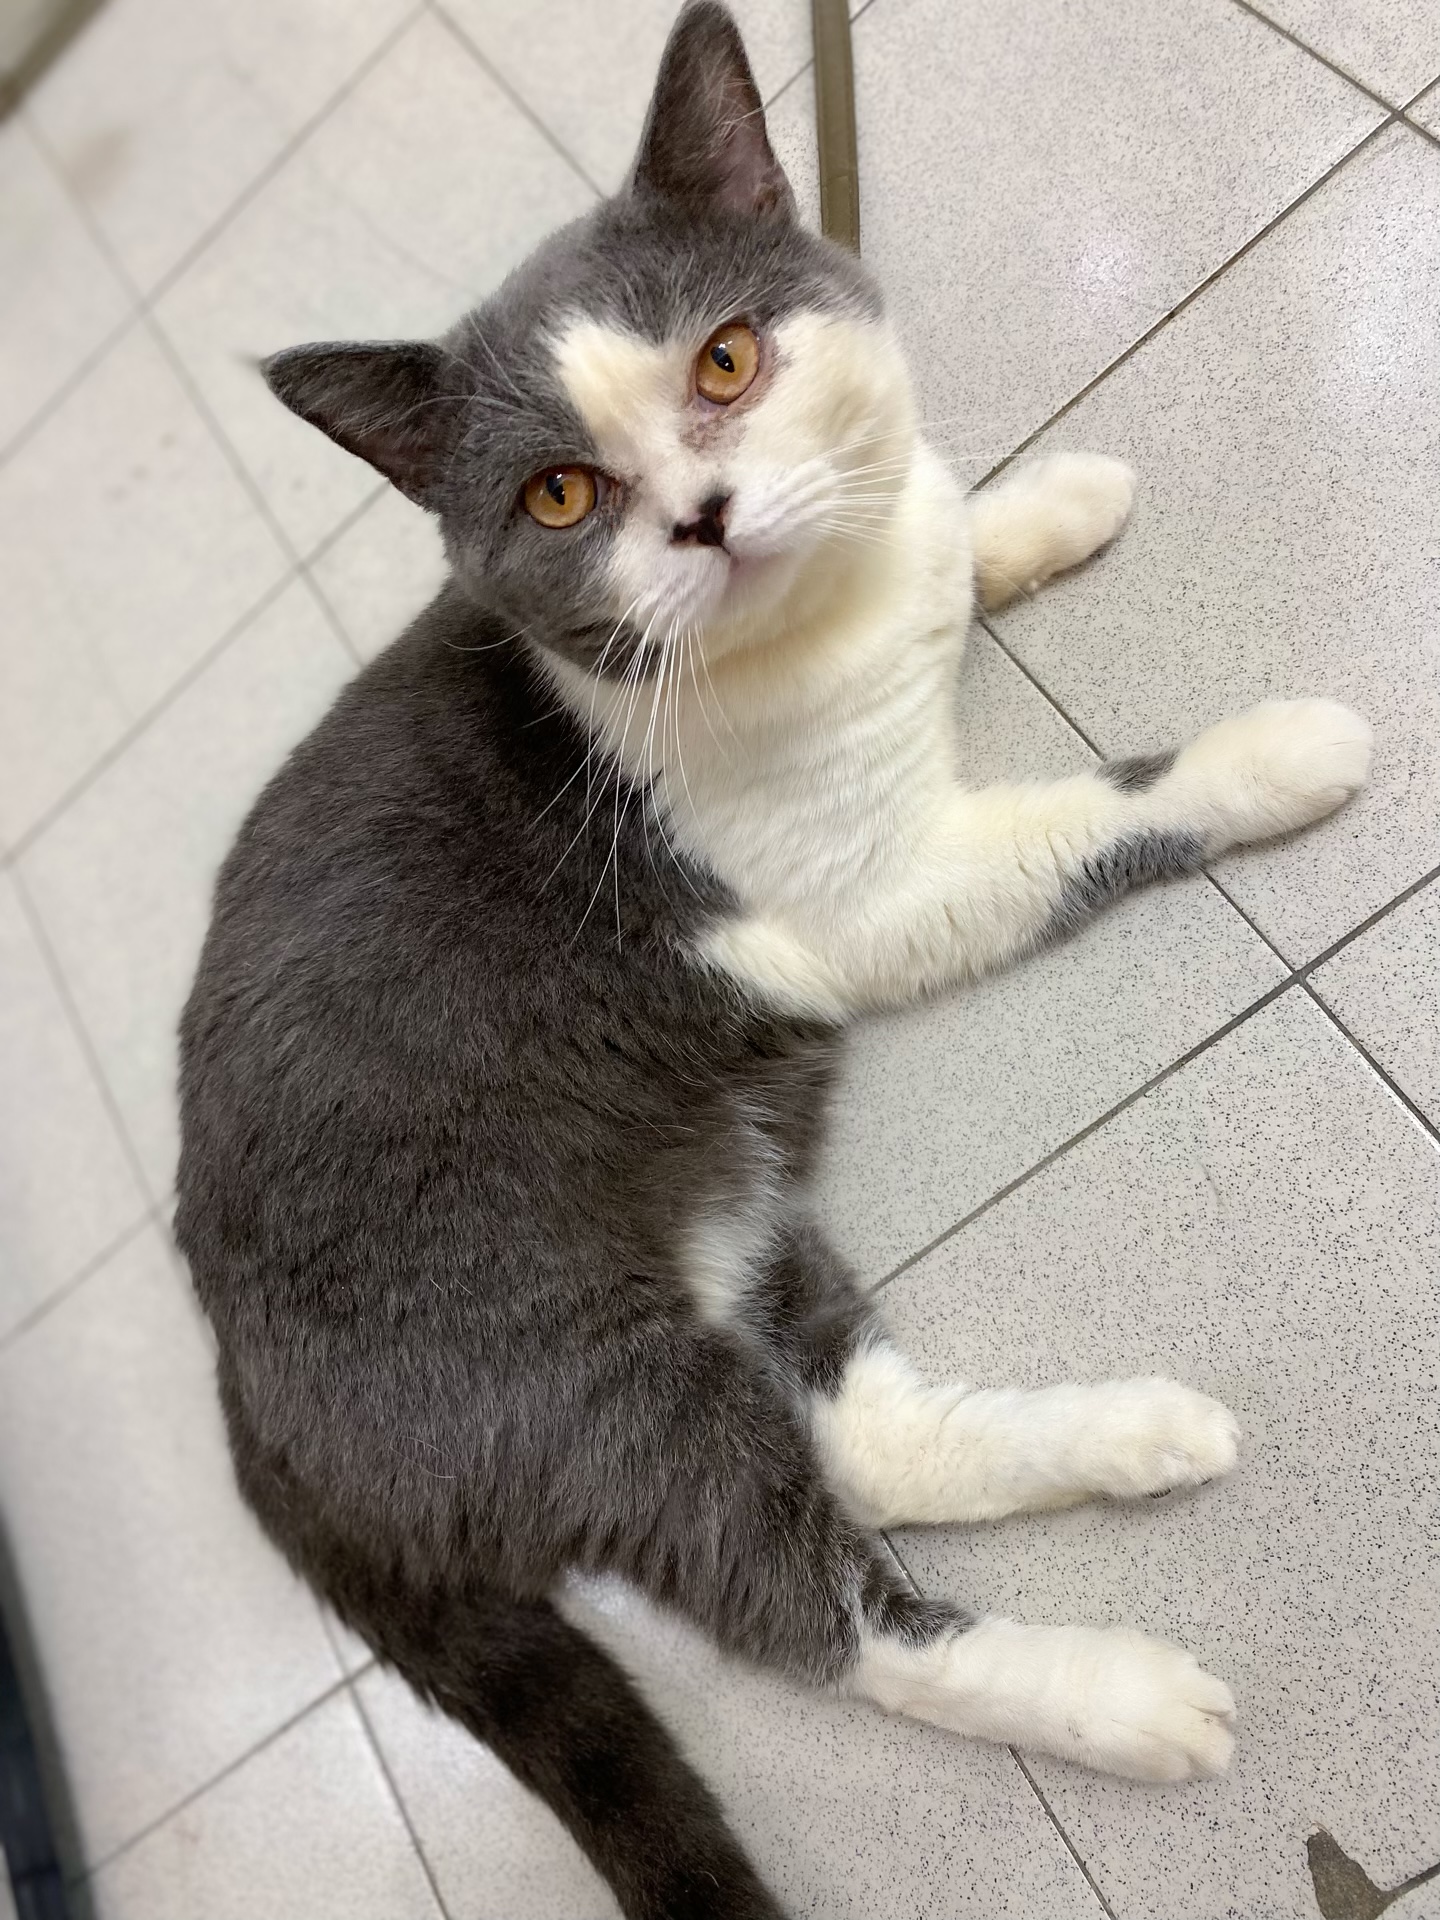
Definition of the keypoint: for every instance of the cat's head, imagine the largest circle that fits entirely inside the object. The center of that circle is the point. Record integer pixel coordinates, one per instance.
(684, 413)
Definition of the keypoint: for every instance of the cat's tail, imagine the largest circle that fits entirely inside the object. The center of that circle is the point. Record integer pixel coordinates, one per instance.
(570, 1725)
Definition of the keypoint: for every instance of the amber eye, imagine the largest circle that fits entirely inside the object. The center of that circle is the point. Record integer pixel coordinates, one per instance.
(728, 362)
(560, 497)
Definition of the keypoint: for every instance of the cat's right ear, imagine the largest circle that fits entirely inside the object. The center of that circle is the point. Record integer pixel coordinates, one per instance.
(383, 402)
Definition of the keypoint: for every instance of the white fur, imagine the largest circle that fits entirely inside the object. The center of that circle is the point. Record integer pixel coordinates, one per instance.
(1044, 518)
(898, 1451)
(1112, 1700)
(727, 1244)
(799, 731)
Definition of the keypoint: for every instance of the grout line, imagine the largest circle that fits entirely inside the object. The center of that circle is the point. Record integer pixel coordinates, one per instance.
(1072, 1849)
(48, 408)
(152, 713)
(462, 38)
(231, 1766)
(1416, 886)
(396, 1796)
(1047, 1160)
(147, 300)
(1417, 126)
(1039, 686)
(1415, 1112)
(87, 1046)
(338, 532)
(1255, 13)
(1188, 300)
(77, 1280)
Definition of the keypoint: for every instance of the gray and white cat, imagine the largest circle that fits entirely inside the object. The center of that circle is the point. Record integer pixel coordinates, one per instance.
(505, 1069)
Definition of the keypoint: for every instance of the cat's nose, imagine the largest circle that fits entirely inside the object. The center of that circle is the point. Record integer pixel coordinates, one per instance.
(707, 529)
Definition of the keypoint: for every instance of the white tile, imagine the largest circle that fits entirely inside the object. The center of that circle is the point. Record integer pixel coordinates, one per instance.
(1427, 110)
(59, 298)
(307, 1827)
(1033, 198)
(1386, 988)
(171, 1635)
(1390, 45)
(66, 1188)
(417, 196)
(122, 879)
(940, 1106)
(846, 1813)
(1266, 1226)
(382, 571)
(162, 112)
(589, 71)
(129, 547)
(1287, 530)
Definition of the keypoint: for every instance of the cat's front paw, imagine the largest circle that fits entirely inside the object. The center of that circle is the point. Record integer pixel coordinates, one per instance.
(1281, 765)
(1089, 495)
(1145, 1709)
(1148, 1436)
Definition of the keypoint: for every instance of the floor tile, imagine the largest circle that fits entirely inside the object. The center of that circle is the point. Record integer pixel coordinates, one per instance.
(415, 197)
(122, 879)
(1427, 110)
(1287, 530)
(58, 297)
(1265, 1226)
(163, 112)
(847, 1813)
(1390, 45)
(66, 1188)
(171, 1636)
(308, 1826)
(940, 1106)
(588, 75)
(1032, 201)
(122, 567)
(382, 571)
(1385, 986)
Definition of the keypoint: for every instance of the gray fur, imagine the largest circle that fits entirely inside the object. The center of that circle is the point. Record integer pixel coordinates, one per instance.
(1136, 772)
(1135, 860)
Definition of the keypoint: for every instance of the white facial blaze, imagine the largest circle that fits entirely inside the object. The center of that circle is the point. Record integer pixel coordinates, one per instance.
(831, 399)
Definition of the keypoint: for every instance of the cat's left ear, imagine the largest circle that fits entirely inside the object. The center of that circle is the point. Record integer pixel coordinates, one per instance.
(704, 142)
(379, 401)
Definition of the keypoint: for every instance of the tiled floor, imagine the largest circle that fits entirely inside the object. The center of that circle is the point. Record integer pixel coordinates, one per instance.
(1200, 1139)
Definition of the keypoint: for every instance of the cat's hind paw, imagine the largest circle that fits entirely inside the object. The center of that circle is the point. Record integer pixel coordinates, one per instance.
(1280, 766)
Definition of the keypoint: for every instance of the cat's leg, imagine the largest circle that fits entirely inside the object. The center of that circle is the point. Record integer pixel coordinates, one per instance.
(898, 1450)
(990, 875)
(1044, 518)
(732, 1524)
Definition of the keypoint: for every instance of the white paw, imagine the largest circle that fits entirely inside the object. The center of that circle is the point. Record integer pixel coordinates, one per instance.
(1088, 496)
(1281, 765)
(1147, 1436)
(1115, 1701)
(1144, 1709)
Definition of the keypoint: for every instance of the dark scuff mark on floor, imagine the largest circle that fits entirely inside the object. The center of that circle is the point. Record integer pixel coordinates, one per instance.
(1343, 1889)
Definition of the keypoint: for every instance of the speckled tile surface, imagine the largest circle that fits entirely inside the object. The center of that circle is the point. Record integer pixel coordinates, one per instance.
(1390, 45)
(1265, 1226)
(1427, 110)
(1033, 200)
(1286, 534)
(1385, 987)
(187, 575)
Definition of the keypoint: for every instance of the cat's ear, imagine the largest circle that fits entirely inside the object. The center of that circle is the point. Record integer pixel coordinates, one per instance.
(704, 142)
(379, 401)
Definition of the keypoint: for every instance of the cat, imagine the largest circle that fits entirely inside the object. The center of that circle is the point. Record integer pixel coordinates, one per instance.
(505, 1070)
